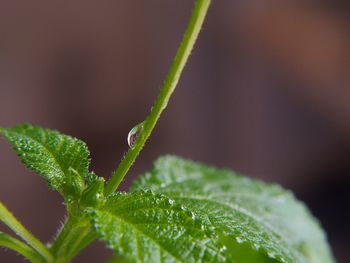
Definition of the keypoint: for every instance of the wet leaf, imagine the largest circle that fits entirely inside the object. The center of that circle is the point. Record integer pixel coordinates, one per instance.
(256, 222)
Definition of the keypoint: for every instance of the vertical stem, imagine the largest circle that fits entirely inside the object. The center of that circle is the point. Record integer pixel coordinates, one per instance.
(184, 51)
(68, 243)
(8, 219)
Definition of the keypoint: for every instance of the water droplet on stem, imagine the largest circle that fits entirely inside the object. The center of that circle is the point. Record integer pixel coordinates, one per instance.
(134, 133)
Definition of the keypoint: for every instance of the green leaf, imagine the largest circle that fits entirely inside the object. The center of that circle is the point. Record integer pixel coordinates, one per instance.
(148, 227)
(62, 160)
(256, 222)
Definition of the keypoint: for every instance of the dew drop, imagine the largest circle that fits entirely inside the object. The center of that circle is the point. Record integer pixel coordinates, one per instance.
(223, 249)
(239, 240)
(193, 216)
(134, 133)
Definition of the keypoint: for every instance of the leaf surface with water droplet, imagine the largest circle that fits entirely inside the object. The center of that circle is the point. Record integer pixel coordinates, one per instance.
(148, 227)
(257, 222)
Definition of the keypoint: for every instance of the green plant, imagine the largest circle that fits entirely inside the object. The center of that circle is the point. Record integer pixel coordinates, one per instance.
(180, 211)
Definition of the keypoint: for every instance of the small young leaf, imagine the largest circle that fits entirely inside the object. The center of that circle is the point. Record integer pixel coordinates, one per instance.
(252, 219)
(149, 227)
(62, 160)
(93, 195)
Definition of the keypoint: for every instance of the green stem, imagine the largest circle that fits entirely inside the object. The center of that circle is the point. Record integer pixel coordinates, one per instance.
(76, 233)
(68, 242)
(20, 247)
(184, 51)
(8, 219)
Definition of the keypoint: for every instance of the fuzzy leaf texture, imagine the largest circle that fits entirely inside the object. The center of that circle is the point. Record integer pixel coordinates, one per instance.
(195, 213)
(148, 227)
(62, 160)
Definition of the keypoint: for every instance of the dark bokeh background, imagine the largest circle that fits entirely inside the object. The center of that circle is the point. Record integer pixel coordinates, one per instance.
(266, 92)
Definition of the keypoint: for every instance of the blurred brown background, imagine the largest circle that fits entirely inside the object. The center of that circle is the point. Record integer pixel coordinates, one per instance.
(266, 92)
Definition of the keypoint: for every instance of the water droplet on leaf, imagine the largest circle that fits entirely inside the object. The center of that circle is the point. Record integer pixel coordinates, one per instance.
(193, 216)
(239, 240)
(134, 133)
(223, 249)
